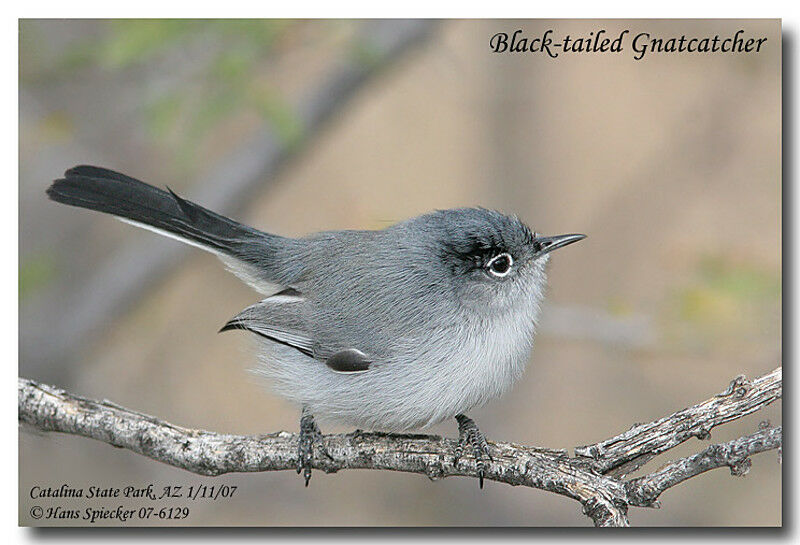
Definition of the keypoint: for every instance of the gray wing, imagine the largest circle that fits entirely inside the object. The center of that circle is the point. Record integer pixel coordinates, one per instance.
(283, 318)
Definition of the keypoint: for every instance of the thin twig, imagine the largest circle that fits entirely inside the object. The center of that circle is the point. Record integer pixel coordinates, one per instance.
(735, 454)
(630, 450)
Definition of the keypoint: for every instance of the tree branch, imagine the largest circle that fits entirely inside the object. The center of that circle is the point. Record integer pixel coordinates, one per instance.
(605, 497)
(630, 450)
(735, 454)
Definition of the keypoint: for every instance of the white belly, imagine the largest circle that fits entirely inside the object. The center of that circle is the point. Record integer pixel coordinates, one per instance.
(485, 366)
(432, 382)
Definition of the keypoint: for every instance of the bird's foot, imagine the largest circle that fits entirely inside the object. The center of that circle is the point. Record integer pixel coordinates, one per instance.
(470, 436)
(309, 434)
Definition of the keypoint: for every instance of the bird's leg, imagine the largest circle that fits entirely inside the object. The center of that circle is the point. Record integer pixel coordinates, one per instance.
(470, 435)
(309, 433)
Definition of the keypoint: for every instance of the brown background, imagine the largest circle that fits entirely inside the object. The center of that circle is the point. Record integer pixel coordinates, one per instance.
(671, 165)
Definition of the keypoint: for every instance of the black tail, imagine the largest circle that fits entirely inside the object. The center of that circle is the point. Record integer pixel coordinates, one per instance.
(107, 191)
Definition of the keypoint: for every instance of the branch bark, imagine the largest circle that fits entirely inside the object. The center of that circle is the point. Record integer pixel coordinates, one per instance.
(735, 454)
(628, 451)
(596, 482)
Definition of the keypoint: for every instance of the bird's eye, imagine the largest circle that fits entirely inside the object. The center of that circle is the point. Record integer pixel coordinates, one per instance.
(500, 265)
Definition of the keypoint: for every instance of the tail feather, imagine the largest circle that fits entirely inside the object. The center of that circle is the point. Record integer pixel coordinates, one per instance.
(100, 172)
(114, 193)
(248, 251)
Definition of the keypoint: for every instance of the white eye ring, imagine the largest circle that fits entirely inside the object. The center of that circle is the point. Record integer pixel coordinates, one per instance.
(504, 256)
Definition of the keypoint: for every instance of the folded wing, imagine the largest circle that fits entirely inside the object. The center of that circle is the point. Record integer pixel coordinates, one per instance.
(284, 318)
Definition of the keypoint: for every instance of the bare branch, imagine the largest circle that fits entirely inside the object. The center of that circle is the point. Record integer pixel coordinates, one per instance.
(735, 454)
(630, 450)
(605, 498)
(52, 409)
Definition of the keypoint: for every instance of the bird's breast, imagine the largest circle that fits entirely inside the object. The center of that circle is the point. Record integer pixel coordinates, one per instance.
(494, 353)
(465, 365)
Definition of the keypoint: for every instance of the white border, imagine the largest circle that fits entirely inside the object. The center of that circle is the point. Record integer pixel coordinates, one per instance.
(341, 8)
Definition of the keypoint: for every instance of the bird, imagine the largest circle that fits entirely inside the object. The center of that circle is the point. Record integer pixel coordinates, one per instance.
(394, 329)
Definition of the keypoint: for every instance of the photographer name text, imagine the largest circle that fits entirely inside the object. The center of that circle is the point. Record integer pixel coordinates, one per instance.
(640, 44)
(131, 503)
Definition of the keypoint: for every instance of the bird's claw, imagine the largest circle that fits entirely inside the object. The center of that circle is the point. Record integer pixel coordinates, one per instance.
(470, 435)
(309, 434)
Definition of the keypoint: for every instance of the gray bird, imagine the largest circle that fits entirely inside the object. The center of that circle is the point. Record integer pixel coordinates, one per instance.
(393, 329)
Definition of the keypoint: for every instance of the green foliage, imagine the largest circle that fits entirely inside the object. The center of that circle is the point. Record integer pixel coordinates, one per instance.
(286, 124)
(725, 300)
(723, 289)
(132, 41)
(365, 53)
(739, 280)
(235, 62)
(35, 273)
(56, 126)
(163, 114)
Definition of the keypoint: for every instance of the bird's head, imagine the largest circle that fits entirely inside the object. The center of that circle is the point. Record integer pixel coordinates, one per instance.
(490, 259)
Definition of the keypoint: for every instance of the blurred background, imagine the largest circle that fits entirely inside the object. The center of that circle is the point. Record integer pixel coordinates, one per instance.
(671, 165)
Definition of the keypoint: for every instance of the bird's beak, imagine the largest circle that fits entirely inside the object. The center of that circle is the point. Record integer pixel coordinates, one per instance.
(548, 244)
